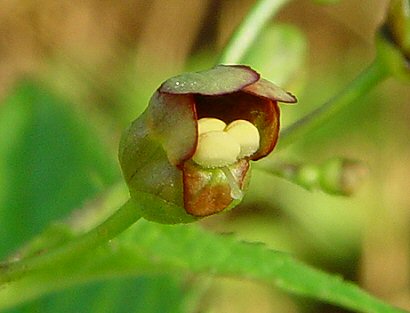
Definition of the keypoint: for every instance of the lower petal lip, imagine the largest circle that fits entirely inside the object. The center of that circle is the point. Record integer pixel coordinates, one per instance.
(202, 197)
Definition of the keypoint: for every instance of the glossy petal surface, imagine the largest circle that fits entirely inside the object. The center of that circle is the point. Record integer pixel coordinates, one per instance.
(172, 121)
(207, 192)
(266, 89)
(219, 80)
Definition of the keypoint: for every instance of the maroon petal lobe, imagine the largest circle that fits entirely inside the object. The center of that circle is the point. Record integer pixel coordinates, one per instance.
(172, 121)
(266, 89)
(207, 192)
(260, 111)
(221, 79)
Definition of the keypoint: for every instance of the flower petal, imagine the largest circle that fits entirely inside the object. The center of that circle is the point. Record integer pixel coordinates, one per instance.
(172, 121)
(266, 89)
(207, 191)
(221, 79)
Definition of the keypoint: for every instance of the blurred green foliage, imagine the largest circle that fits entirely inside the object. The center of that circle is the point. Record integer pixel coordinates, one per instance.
(52, 161)
(279, 55)
(144, 294)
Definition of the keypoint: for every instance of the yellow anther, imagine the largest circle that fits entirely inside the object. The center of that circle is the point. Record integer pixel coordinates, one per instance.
(246, 134)
(220, 145)
(216, 149)
(208, 124)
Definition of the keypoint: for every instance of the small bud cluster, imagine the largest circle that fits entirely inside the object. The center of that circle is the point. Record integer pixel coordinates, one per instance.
(220, 145)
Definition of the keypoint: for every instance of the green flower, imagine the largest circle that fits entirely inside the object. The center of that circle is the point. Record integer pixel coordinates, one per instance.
(189, 152)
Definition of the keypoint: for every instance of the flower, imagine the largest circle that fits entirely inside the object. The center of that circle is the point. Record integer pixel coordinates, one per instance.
(190, 150)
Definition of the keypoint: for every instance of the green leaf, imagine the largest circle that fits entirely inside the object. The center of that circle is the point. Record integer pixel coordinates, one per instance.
(154, 248)
(145, 294)
(188, 248)
(50, 162)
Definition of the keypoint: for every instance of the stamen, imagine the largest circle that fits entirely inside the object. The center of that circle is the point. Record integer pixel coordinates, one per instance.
(246, 134)
(208, 124)
(216, 149)
(236, 192)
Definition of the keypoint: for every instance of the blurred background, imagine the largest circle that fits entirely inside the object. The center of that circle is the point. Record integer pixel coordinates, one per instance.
(74, 74)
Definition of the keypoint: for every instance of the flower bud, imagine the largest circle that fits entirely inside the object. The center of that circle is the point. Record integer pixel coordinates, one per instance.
(180, 160)
(342, 176)
(337, 176)
(394, 39)
(398, 25)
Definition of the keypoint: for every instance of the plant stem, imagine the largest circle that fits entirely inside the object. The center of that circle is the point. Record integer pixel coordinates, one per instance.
(249, 29)
(367, 80)
(123, 218)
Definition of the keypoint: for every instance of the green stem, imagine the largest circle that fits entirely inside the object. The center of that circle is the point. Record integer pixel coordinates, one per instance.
(123, 218)
(249, 29)
(367, 80)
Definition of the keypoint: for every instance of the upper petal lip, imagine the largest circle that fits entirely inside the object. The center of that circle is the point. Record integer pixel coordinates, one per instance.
(222, 79)
(266, 89)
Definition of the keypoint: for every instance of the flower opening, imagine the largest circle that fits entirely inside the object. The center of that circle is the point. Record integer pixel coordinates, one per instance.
(201, 130)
